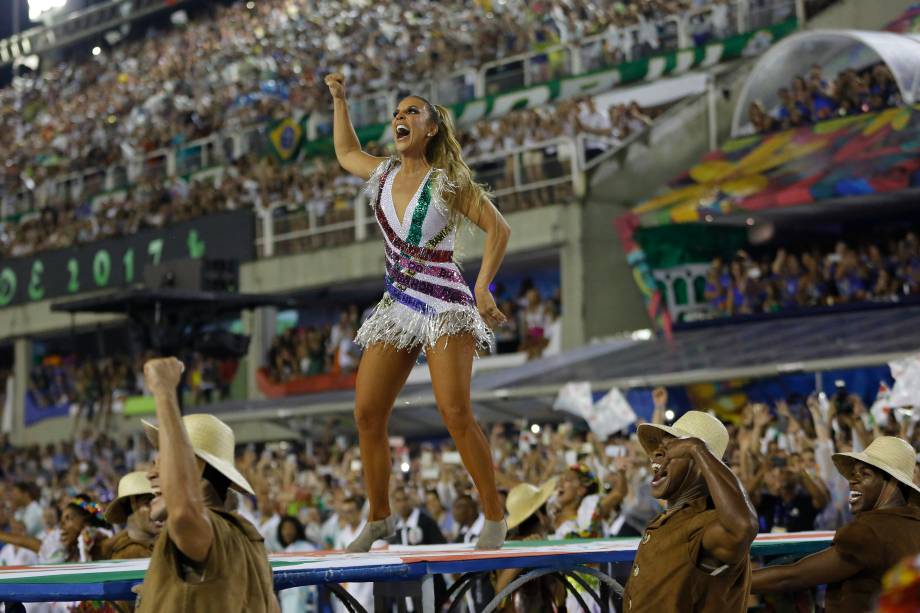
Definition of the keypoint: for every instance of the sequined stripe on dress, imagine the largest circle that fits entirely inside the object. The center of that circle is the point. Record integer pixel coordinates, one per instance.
(410, 266)
(413, 303)
(414, 235)
(441, 235)
(432, 255)
(396, 287)
(441, 292)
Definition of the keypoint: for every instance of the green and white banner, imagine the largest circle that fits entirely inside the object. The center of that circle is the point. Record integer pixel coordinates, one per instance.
(671, 63)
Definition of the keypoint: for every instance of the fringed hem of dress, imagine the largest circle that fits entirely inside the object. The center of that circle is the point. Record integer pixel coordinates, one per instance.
(394, 324)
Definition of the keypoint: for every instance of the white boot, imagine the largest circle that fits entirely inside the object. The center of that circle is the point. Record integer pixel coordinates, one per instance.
(493, 535)
(373, 531)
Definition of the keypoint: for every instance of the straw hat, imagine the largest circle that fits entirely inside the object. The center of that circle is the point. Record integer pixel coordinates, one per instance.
(212, 441)
(692, 423)
(132, 484)
(525, 499)
(890, 454)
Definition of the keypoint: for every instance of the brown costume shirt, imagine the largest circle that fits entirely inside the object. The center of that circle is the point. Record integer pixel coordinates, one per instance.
(123, 547)
(666, 576)
(235, 578)
(877, 540)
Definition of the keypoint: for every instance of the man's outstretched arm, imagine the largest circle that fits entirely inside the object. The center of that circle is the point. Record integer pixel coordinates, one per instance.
(180, 475)
(821, 568)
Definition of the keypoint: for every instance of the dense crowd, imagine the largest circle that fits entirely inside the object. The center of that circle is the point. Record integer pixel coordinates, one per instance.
(317, 348)
(810, 99)
(318, 192)
(93, 388)
(603, 129)
(247, 62)
(567, 119)
(311, 496)
(867, 271)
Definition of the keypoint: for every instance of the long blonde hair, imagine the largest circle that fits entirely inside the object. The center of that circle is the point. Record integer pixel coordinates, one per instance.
(443, 152)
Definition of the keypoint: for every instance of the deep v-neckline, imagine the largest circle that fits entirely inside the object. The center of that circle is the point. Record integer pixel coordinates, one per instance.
(413, 200)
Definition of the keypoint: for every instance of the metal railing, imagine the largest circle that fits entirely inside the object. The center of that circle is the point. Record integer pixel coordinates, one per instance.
(191, 158)
(530, 176)
(79, 25)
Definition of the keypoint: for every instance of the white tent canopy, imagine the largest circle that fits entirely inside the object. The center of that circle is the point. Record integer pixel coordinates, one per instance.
(834, 51)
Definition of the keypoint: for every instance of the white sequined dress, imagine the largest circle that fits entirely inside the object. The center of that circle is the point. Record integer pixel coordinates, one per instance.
(426, 296)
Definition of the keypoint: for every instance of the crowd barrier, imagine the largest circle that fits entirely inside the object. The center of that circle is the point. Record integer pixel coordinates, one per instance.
(113, 580)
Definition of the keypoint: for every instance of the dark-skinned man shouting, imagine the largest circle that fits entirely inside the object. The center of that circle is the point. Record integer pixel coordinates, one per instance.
(886, 529)
(694, 557)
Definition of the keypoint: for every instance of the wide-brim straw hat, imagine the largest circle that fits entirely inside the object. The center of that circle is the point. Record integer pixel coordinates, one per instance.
(890, 454)
(212, 441)
(132, 484)
(697, 424)
(525, 499)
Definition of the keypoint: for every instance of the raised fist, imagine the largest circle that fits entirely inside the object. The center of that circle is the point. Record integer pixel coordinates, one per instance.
(163, 374)
(336, 84)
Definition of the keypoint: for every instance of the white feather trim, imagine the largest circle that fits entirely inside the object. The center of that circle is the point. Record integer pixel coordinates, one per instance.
(395, 324)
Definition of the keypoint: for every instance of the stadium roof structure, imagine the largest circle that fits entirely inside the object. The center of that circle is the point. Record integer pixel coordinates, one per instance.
(75, 26)
(834, 51)
(751, 349)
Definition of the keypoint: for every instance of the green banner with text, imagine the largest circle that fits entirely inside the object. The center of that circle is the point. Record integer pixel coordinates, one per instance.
(118, 262)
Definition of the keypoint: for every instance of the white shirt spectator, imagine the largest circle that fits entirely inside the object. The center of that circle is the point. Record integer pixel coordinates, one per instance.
(553, 333)
(31, 517)
(648, 33)
(362, 592)
(583, 521)
(471, 533)
(720, 19)
(349, 354)
(595, 120)
(11, 555)
(299, 599)
(269, 531)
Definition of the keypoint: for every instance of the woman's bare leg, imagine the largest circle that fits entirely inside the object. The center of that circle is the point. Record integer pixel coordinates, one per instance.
(451, 367)
(381, 375)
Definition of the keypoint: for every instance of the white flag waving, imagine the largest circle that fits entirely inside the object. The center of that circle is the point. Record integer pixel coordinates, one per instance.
(906, 390)
(574, 398)
(612, 413)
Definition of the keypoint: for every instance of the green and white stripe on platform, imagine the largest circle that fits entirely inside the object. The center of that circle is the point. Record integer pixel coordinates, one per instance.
(113, 579)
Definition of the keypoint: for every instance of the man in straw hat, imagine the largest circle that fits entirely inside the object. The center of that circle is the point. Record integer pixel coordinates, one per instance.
(206, 558)
(528, 520)
(694, 556)
(886, 529)
(131, 509)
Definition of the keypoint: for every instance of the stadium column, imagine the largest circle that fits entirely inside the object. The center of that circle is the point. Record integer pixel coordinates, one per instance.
(261, 324)
(599, 296)
(22, 357)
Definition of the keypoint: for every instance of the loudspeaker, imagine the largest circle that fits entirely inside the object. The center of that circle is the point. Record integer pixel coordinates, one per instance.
(194, 275)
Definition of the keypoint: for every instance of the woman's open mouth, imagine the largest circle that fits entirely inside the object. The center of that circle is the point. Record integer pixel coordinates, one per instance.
(402, 132)
(855, 496)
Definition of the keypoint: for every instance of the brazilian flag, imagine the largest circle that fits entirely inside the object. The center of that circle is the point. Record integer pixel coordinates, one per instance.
(285, 139)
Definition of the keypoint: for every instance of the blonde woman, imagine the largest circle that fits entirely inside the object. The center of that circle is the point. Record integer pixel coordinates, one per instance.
(420, 196)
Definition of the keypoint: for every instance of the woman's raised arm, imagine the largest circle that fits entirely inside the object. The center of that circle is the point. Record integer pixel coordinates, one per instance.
(347, 146)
